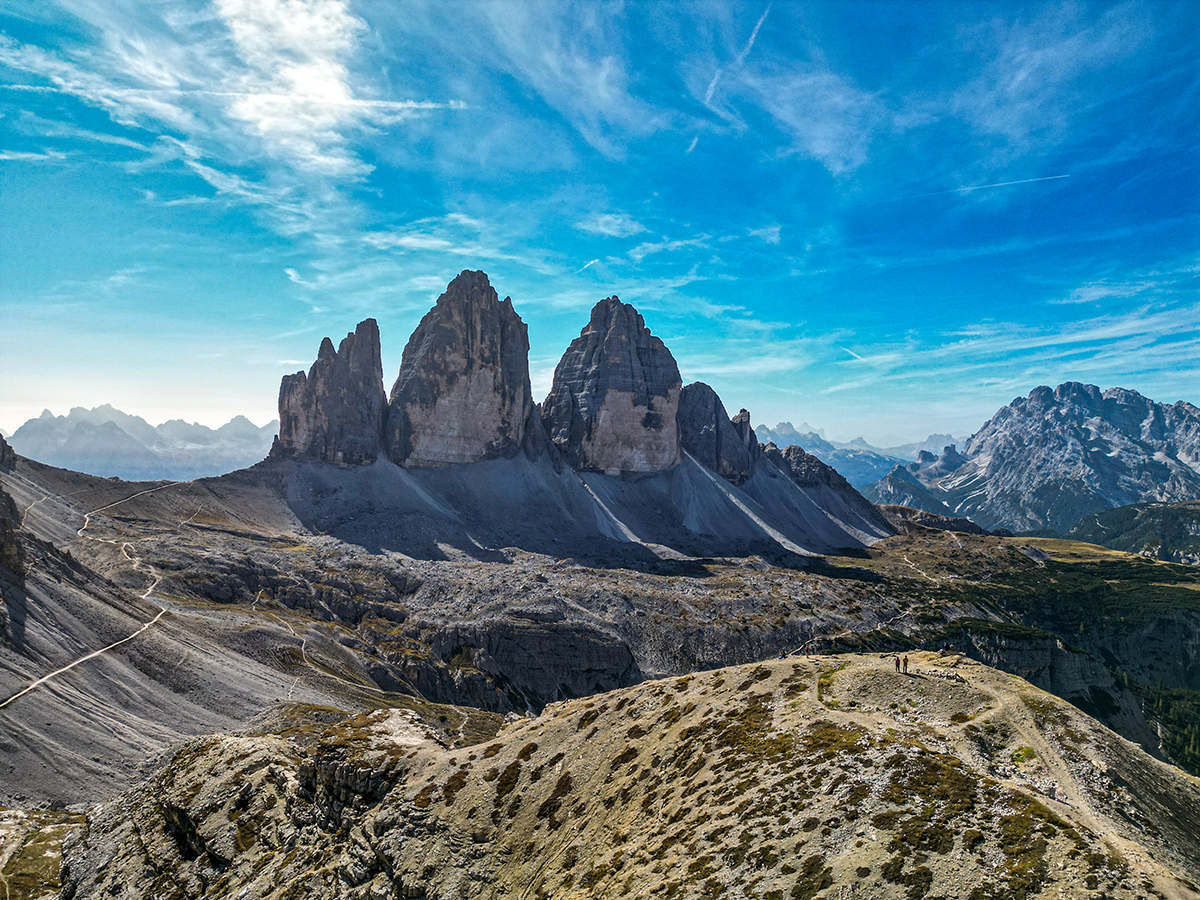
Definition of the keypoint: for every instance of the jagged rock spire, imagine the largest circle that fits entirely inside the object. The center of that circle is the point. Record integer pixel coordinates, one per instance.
(463, 391)
(615, 396)
(336, 411)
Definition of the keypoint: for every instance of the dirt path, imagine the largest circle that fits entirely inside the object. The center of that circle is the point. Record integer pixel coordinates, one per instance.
(137, 564)
(1009, 708)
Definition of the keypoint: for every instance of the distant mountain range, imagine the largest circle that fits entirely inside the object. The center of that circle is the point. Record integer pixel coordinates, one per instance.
(861, 463)
(1048, 460)
(106, 441)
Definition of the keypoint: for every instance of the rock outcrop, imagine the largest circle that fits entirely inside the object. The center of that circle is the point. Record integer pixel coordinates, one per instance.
(8, 456)
(11, 557)
(463, 392)
(805, 469)
(615, 397)
(336, 412)
(727, 446)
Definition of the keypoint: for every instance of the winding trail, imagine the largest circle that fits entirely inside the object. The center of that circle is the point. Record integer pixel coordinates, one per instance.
(137, 567)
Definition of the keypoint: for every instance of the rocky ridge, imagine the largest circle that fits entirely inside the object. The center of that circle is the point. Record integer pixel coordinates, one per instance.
(336, 412)
(463, 392)
(615, 397)
(786, 778)
(1047, 460)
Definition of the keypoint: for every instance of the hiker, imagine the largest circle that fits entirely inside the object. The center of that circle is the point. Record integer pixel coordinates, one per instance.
(905, 663)
(897, 664)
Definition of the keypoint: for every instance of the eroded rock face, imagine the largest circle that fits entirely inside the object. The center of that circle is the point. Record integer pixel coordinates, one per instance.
(614, 402)
(336, 411)
(8, 456)
(805, 469)
(463, 391)
(728, 447)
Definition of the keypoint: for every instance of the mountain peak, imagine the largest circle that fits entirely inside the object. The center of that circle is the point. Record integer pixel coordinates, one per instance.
(463, 392)
(336, 411)
(615, 397)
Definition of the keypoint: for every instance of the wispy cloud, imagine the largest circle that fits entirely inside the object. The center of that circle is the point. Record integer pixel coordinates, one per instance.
(27, 156)
(611, 225)
(641, 251)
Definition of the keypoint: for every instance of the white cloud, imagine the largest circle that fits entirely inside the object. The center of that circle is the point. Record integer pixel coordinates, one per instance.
(769, 233)
(641, 251)
(24, 156)
(610, 225)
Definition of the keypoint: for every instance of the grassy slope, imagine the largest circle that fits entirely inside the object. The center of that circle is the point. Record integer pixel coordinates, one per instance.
(775, 780)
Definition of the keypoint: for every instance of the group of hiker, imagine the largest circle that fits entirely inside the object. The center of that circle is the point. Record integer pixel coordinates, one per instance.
(903, 663)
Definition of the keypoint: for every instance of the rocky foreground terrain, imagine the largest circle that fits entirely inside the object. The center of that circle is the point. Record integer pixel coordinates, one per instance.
(830, 776)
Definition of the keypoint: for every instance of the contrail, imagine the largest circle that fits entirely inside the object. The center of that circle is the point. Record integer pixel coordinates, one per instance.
(741, 57)
(753, 36)
(586, 266)
(692, 145)
(852, 353)
(979, 187)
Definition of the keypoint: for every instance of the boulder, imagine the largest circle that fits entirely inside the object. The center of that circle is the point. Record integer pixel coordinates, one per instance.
(336, 412)
(614, 402)
(463, 391)
(728, 447)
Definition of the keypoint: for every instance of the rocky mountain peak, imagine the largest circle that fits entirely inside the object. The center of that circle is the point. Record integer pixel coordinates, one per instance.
(336, 412)
(463, 391)
(727, 446)
(615, 397)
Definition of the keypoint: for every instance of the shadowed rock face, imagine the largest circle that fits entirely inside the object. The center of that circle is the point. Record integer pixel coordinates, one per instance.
(615, 398)
(10, 547)
(8, 456)
(336, 412)
(728, 447)
(463, 391)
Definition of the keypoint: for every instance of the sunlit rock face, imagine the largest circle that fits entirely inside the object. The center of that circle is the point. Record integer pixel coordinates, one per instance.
(463, 392)
(613, 404)
(336, 412)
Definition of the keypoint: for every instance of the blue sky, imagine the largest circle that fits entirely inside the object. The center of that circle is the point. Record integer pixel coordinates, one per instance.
(882, 218)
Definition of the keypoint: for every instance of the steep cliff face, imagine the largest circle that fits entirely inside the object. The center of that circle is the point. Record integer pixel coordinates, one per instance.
(614, 402)
(463, 392)
(728, 447)
(8, 456)
(336, 412)
(11, 557)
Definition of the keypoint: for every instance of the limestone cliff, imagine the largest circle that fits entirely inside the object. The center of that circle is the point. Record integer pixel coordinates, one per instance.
(728, 447)
(463, 391)
(336, 411)
(615, 397)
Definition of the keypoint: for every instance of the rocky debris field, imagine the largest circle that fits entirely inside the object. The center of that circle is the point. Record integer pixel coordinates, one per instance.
(830, 776)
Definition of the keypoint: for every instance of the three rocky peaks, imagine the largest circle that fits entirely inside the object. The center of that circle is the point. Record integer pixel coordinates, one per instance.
(617, 403)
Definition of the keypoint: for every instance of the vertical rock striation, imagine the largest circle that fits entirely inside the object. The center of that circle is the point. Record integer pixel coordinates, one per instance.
(463, 391)
(728, 447)
(615, 397)
(336, 412)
